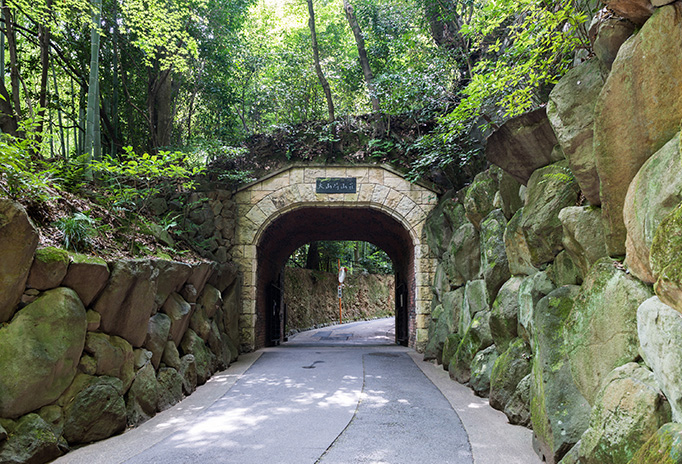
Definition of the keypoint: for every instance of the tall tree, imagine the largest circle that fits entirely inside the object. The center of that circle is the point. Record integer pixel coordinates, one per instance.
(362, 52)
(318, 67)
(92, 114)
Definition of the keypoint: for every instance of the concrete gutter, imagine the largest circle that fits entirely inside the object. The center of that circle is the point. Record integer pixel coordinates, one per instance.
(493, 440)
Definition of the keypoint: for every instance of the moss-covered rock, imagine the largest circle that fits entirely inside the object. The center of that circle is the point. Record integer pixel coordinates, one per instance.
(516, 247)
(531, 291)
(445, 323)
(143, 396)
(504, 315)
(158, 330)
(583, 236)
(18, 241)
(627, 412)
(494, 263)
(87, 275)
(559, 412)
(664, 447)
(94, 409)
(637, 87)
(666, 259)
(450, 348)
(476, 338)
(113, 357)
(170, 388)
(481, 369)
(601, 332)
(659, 328)
(563, 271)
(480, 196)
(205, 360)
(550, 189)
(462, 256)
(127, 302)
(517, 408)
(30, 441)
(511, 366)
(476, 299)
(442, 221)
(40, 352)
(654, 192)
(48, 269)
(509, 195)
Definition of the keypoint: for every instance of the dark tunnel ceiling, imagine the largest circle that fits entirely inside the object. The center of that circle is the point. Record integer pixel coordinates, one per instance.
(296, 228)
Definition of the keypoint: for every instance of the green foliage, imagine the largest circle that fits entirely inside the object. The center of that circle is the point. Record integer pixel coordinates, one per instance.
(134, 180)
(77, 231)
(356, 256)
(20, 176)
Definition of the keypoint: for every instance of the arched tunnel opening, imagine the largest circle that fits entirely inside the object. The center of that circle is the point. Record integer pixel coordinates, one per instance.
(300, 226)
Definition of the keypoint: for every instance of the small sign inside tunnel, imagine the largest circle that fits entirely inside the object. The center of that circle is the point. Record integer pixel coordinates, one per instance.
(336, 185)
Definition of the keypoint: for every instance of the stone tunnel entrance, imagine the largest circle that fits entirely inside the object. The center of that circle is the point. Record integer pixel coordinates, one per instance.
(288, 209)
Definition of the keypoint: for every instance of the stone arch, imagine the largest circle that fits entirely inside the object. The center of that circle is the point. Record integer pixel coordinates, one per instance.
(288, 197)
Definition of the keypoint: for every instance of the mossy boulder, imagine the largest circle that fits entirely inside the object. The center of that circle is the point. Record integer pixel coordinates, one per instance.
(583, 236)
(113, 357)
(48, 269)
(654, 192)
(550, 189)
(94, 409)
(516, 247)
(570, 110)
(627, 412)
(659, 328)
(180, 313)
(666, 259)
(559, 412)
(143, 396)
(481, 369)
(87, 275)
(442, 221)
(158, 330)
(446, 323)
(517, 408)
(531, 291)
(504, 315)
(523, 144)
(563, 271)
(509, 195)
(476, 300)
(601, 332)
(480, 196)
(664, 447)
(30, 441)
(170, 388)
(494, 264)
(450, 348)
(18, 242)
(40, 351)
(204, 359)
(476, 338)
(127, 302)
(441, 283)
(462, 256)
(510, 367)
(636, 86)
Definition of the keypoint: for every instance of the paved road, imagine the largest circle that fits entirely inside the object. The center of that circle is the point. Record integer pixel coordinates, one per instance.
(342, 394)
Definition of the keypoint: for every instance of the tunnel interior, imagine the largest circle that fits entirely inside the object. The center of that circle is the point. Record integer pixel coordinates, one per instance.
(304, 225)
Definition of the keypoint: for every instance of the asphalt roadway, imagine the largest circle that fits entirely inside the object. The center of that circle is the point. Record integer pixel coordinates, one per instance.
(337, 395)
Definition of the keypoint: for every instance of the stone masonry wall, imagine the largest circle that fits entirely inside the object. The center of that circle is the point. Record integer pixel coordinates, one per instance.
(558, 290)
(88, 348)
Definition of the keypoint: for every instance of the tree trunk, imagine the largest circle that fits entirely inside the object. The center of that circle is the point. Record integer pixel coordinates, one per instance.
(92, 117)
(364, 61)
(318, 68)
(313, 259)
(159, 104)
(10, 33)
(44, 42)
